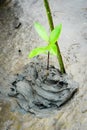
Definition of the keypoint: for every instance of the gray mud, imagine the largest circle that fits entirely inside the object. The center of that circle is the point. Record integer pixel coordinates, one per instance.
(41, 91)
(18, 38)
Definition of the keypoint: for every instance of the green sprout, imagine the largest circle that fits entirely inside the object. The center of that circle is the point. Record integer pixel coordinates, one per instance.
(51, 40)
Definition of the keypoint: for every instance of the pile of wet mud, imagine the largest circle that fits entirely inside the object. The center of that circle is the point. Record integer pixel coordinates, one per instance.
(41, 91)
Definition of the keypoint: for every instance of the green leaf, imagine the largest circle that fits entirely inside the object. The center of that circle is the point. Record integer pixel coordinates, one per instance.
(54, 35)
(37, 51)
(41, 31)
(52, 49)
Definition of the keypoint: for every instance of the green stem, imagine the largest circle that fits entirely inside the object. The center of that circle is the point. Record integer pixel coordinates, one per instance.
(50, 20)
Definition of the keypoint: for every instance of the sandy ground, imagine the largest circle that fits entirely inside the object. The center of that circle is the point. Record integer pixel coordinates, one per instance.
(73, 44)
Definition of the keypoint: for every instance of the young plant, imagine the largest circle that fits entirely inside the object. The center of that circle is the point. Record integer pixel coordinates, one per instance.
(51, 25)
(51, 40)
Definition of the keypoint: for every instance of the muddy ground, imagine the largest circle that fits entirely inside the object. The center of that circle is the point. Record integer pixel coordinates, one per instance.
(18, 38)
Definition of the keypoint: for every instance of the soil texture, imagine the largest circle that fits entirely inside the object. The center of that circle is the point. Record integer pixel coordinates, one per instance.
(41, 91)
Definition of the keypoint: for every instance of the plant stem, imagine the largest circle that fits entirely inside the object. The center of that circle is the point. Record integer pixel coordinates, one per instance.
(50, 20)
(48, 61)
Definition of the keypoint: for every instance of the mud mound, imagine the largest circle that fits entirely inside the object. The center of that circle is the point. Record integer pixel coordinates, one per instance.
(42, 91)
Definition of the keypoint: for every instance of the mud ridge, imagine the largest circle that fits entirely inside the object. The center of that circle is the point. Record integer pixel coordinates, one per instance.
(40, 90)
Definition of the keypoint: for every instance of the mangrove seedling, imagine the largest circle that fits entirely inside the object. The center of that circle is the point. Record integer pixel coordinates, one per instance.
(51, 40)
(51, 24)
